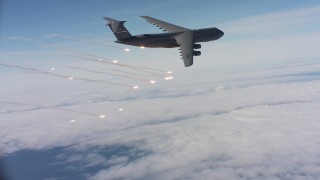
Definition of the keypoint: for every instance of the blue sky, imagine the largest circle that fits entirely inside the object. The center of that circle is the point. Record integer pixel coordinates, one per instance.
(38, 19)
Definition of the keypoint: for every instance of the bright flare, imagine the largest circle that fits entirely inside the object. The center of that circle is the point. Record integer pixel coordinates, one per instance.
(152, 82)
(120, 109)
(168, 78)
(135, 87)
(71, 78)
(52, 69)
(72, 121)
(100, 59)
(169, 72)
(102, 116)
(127, 49)
(114, 61)
(141, 47)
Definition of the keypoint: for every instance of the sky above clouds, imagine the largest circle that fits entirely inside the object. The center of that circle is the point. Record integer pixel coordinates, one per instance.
(247, 109)
(266, 29)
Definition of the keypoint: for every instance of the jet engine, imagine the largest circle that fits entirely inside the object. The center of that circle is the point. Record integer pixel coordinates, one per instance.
(197, 46)
(196, 53)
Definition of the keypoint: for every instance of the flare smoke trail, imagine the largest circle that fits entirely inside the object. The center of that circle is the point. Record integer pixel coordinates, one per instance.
(63, 76)
(41, 107)
(108, 73)
(109, 61)
(148, 70)
(82, 40)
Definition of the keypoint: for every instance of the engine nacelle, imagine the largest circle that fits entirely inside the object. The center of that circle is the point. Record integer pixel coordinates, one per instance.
(197, 46)
(196, 53)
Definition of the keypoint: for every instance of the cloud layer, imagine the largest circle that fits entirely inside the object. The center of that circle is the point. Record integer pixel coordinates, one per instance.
(248, 124)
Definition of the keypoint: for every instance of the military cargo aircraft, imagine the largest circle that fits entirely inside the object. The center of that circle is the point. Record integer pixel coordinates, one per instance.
(175, 36)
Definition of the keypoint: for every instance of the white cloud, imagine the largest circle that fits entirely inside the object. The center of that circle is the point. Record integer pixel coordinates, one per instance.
(237, 124)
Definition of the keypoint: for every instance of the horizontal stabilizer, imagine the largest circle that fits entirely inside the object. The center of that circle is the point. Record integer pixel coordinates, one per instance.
(110, 19)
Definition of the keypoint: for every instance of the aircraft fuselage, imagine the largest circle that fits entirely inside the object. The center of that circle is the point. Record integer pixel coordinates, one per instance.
(167, 40)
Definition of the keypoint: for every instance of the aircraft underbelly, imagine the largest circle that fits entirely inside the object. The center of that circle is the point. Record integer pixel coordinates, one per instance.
(161, 43)
(164, 42)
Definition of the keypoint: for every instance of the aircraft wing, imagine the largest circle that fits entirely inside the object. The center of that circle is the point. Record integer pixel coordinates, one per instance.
(164, 25)
(185, 41)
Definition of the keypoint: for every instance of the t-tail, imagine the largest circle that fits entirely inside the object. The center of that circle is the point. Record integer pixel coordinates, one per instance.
(118, 28)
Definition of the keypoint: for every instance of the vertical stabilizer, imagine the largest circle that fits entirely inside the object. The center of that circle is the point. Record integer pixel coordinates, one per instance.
(118, 28)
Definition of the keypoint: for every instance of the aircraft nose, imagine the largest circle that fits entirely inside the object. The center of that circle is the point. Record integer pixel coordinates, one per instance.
(221, 33)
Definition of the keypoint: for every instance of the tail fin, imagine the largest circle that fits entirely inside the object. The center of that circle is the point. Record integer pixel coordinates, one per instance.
(118, 28)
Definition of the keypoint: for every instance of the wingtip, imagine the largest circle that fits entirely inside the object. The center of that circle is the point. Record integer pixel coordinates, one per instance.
(188, 65)
(145, 17)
